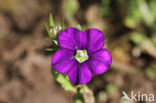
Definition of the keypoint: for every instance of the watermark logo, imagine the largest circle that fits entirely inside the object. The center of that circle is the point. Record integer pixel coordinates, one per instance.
(137, 97)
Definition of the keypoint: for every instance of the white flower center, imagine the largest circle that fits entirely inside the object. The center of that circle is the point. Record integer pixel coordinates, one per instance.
(81, 56)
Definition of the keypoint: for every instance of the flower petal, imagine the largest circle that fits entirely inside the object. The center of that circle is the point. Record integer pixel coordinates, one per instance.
(80, 74)
(72, 39)
(100, 61)
(73, 74)
(63, 60)
(95, 40)
(85, 75)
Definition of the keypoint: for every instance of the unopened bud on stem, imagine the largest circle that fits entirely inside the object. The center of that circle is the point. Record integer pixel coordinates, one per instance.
(55, 30)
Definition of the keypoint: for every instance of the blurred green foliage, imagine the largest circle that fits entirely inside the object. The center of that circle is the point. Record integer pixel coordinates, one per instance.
(111, 88)
(105, 7)
(135, 12)
(137, 37)
(151, 72)
(69, 8)
(137, 15)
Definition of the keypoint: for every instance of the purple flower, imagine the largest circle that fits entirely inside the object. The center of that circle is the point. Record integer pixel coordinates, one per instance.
(81, 54)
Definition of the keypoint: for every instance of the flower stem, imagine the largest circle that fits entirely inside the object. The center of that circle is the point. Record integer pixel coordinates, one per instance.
(84, 95)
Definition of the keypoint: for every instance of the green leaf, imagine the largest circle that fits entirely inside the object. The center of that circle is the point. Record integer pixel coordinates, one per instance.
(79, 27)
(50, 49)
(64, 81)
(52, 24)
(62, 24)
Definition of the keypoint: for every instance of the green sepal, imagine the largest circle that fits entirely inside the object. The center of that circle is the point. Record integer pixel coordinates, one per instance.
(79, 27)
(55, 41)
(49, 33)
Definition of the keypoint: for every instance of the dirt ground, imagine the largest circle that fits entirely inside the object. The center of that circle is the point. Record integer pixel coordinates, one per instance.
(25, 75)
